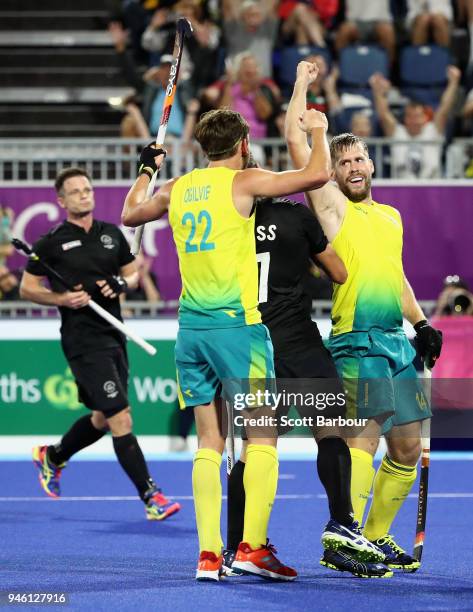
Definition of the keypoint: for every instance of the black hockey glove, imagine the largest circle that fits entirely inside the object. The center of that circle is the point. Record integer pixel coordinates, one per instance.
(428, 341)
(147, 164)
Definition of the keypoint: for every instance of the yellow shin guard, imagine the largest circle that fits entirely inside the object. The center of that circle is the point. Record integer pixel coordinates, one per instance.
(362, 474)
(392, 485)
(207, 489)
(260, 480)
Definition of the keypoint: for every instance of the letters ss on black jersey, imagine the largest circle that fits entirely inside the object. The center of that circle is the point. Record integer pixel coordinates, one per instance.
(266, 233)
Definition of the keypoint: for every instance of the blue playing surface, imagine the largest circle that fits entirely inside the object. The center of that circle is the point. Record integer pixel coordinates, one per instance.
(105, 555)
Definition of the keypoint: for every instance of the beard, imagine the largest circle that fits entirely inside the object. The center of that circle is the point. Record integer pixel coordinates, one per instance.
(356, 195)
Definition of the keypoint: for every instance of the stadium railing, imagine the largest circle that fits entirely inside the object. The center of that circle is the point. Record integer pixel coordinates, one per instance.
(137, 309)
(111, 160)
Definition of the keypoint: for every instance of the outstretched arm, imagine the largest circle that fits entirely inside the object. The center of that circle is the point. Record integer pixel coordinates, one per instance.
(254, 182)
(296, 139)
(380, 87)
(328, 202)
(448, 99)
(138, 210)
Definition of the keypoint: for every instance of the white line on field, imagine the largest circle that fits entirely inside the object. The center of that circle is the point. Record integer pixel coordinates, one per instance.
(189, 497)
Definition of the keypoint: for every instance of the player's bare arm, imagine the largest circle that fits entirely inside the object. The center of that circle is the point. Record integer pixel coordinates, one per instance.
(138, 210)
(327, 202)
(410, 306)
(32, 288)
(315, 173)
(332, 265)
(428, 339)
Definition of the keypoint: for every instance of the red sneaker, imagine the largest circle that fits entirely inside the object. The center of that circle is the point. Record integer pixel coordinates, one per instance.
(262, 562)
(209, 566)
(159, 507)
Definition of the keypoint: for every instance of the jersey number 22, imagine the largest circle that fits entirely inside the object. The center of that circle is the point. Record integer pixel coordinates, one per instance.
(204, 219)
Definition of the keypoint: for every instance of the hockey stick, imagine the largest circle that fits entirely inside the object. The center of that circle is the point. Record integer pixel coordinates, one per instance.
(424, 475)
(21, 246)
(230, 441)
(183, 29)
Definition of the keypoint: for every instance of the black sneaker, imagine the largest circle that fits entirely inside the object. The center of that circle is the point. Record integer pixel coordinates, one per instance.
(350, 538)
(396, 557)
(341, 561)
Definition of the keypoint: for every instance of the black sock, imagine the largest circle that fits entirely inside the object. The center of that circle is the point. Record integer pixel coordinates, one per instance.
(334, 468)
(81, 434)
(236, 506)
(130, 457)
(185, 421)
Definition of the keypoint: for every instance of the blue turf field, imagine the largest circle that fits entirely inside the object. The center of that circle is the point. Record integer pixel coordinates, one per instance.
(105, 554)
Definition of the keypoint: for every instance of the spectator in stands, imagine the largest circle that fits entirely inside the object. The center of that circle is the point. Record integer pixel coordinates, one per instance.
(467, 111)
(367, 21)
(467, 115)
(6, 221)
(360, 125)
(9, 285)
(418, 158)
(152, 85)
(199, 57)
(429, 20)
(130, 16)
(184, 108)
(340, 119)
(133, 124)
(244, 89)
(143, 124)
(251, 26)
(455, 298)
(466, 14)
(302, 21)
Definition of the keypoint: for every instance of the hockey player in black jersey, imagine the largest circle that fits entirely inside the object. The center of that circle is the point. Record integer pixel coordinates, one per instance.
(287, 236)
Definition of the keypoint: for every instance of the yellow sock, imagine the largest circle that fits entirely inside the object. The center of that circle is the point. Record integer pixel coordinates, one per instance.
(391, 487)
(260, 480)
(362, 474)
(207, 489)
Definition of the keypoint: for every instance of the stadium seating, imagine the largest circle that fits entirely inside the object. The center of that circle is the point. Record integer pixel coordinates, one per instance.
(357, 64)
(423, 73)
(288, 59)
(58, 70)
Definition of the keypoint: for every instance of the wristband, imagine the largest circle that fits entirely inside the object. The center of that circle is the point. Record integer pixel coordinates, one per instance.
(420, 325)
(117, 284)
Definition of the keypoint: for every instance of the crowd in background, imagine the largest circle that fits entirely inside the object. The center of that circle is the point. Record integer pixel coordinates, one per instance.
(243, 55)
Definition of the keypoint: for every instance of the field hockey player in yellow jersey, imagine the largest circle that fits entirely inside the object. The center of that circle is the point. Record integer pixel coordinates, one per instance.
(220, 334)
(367, 339)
